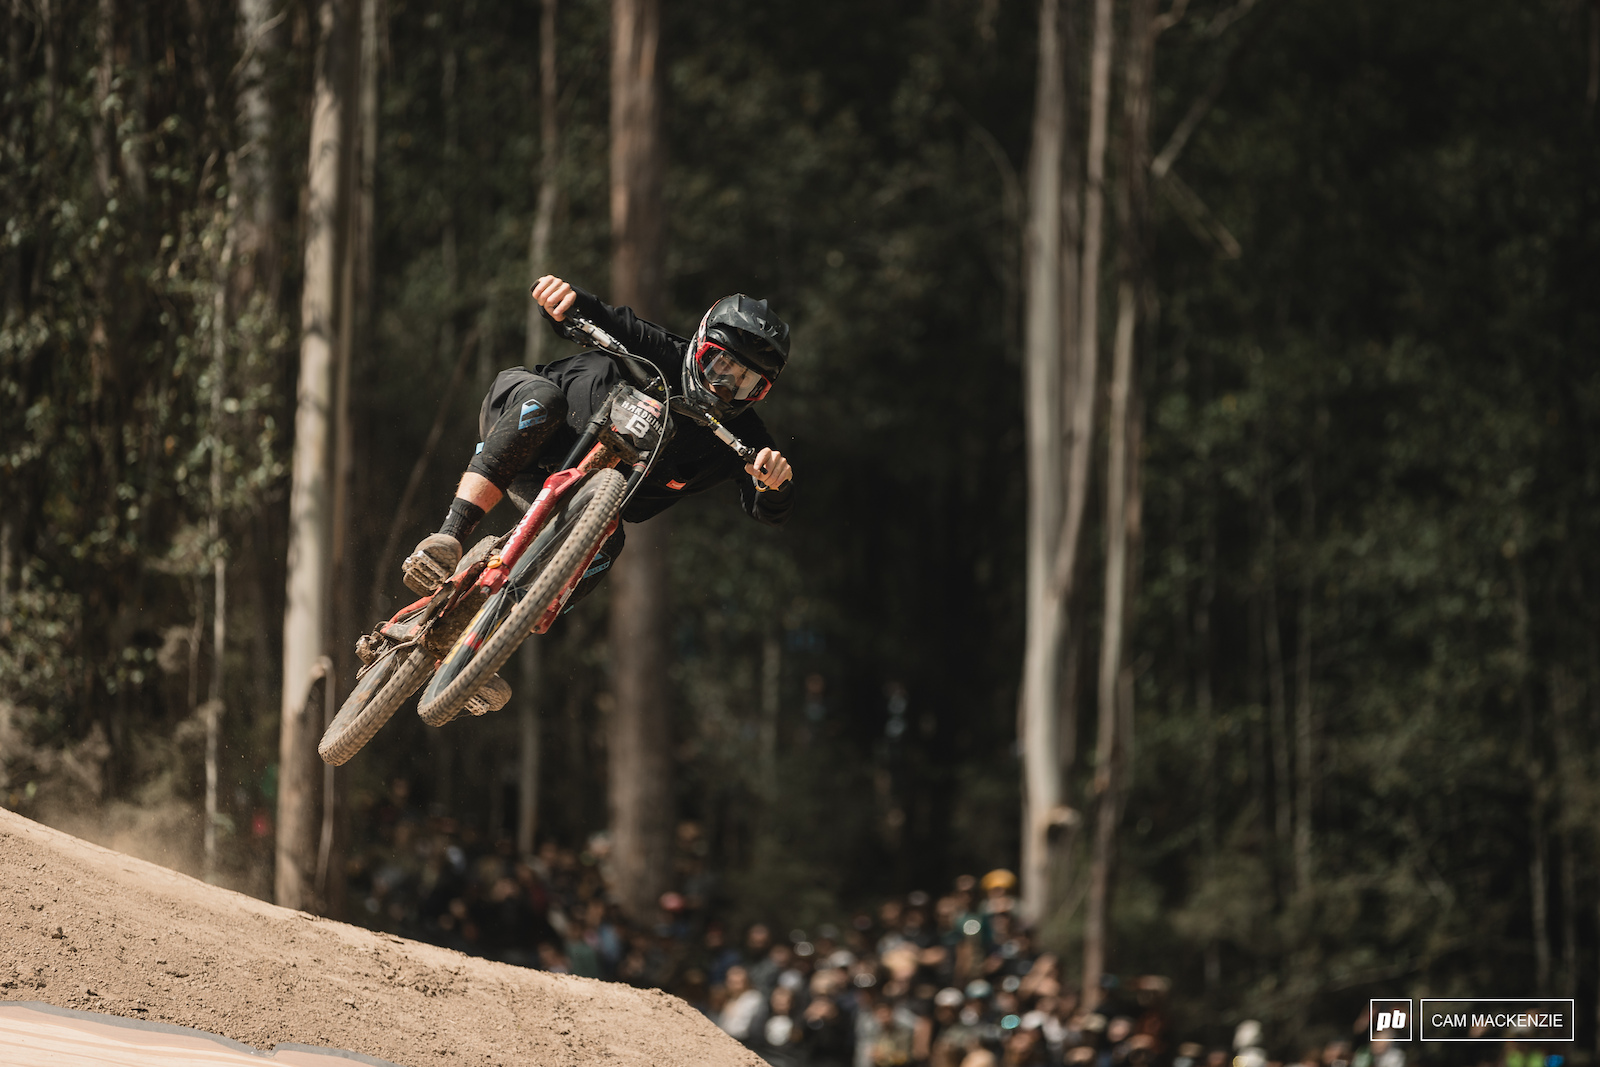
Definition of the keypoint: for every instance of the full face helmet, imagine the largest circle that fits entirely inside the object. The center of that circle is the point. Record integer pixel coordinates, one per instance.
(737, 353)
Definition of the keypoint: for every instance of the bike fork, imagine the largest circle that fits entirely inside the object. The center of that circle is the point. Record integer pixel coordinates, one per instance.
(559, 604)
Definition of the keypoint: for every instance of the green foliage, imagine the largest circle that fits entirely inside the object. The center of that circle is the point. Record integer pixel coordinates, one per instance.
(1378, 413)
(115, 220)
(1372, 430)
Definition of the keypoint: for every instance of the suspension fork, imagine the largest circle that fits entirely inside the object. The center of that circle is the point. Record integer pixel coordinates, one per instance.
(559, 604)
(556, 489)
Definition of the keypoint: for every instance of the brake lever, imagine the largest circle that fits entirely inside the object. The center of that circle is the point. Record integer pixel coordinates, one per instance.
(744, 451)
(574, 324)
(580, 330)
(684, 406)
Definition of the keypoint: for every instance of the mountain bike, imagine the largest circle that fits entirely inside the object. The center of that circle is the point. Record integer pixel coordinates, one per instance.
(511, 587)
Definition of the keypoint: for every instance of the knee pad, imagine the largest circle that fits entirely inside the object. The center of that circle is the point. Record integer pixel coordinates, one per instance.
(532, 412)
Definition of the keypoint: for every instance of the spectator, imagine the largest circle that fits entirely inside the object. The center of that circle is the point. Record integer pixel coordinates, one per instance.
(882, 1037)
(764, 972)
(1025, 1048)
(745, 1013)
(997, 887)
(582, 959)
(829, 1028)
(782, 1032)
(757, 940)
(717, 956)
(931, 982)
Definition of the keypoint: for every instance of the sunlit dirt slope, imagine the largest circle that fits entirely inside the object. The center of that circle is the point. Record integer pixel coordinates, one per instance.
(83, 927)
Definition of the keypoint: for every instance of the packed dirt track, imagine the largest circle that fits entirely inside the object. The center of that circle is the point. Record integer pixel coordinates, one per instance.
(86, 928)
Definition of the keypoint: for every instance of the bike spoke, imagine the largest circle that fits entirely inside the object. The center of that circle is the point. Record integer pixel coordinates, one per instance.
(490, 616)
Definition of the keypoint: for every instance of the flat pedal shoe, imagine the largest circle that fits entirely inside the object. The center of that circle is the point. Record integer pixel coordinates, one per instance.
(431, 563)
(492, 697)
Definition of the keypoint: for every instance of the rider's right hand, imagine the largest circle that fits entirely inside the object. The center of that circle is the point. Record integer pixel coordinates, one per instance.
(554, 295)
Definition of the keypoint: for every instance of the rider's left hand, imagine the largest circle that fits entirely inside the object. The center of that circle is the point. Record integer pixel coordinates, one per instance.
(769, 469)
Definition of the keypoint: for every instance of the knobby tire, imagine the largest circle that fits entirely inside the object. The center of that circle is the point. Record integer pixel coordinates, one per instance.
(369, 705)
(504, 622)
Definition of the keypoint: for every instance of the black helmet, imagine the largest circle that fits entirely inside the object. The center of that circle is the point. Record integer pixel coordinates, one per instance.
(737, 353)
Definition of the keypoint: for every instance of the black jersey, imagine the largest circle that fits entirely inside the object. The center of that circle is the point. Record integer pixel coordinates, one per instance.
(694, 460)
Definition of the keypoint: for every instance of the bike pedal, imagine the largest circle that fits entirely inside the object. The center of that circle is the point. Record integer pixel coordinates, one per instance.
(369, 647)
(492, 697)
(431, 565)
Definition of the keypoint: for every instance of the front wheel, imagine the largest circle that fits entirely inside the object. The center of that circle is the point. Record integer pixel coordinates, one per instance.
(508, 617)
(380, 691)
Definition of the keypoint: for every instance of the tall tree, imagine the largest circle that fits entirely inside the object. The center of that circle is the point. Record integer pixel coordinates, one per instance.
(1123, 506)
(1304, 725)
(219, 559)
(639, 733)
(544, 217)
(1043, 350)
(306, 621)
(255, 180)
(544, 212)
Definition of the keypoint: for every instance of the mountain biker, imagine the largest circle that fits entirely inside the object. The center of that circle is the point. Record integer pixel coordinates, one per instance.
(531, 418)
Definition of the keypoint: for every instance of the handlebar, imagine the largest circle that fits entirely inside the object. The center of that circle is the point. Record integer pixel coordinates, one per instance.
(583, 331)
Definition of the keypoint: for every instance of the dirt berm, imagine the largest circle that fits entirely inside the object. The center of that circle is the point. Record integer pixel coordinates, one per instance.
(87, 928)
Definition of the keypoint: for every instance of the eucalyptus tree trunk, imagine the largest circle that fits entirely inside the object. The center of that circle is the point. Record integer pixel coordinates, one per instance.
(528, 747)
(1080, 361)
(1205, 711)
(306, 622)
(102, 132)
(1042, 356)
(1109, 749)
(1114, 728)
(211, 710)
(1079, 301)
(14, 140)
(1533, 762)
(1304, 733)
(1569, 778)
(538, 264)
(544, 214)
(1277, 690)
(359, 141)
(443, 742)
(5, 566)
(219, 560)
(1101, 46)
(639, 733)
(771, 700)
(52, 72)
(257, 217)
(257, 273)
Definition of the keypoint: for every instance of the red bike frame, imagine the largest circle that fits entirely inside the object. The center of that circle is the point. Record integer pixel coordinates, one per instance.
(555, 490)
(497, 569)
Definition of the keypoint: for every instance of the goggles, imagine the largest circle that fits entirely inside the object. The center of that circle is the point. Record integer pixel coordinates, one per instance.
(725, 376)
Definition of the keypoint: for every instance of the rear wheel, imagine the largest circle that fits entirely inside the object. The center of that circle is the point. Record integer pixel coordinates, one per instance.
(384, 687)
(509, 616)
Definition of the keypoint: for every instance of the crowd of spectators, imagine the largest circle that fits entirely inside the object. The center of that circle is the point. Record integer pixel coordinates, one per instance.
(947, 981)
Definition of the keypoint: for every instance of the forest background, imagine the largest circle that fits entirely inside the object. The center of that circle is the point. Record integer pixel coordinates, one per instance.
(1284, 513)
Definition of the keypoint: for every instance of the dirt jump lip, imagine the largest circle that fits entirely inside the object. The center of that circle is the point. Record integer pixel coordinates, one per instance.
(97, 932)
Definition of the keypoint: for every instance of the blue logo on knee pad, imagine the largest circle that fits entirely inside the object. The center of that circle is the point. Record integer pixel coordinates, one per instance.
(533, 413)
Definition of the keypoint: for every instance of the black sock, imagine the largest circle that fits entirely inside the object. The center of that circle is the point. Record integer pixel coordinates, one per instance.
(463, 519)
